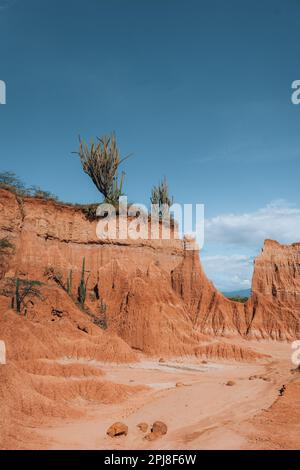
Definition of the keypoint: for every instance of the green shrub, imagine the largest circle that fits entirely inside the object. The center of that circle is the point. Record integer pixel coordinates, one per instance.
(238, 299)
(5, 244)
(21, 289)
(55, 275)
(10, 181)
(36, 191)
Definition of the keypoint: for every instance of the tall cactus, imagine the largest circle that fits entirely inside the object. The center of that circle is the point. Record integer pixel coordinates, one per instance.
(18, 297)
(160, 197)
(116, 189)
(101, 161)
(103, 316)
(70, 282)
(82, 285)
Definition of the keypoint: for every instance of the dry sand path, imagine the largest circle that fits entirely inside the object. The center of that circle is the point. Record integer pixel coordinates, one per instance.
(204, 413)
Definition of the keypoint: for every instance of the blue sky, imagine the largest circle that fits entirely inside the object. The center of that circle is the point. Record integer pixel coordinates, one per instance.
(198, 90)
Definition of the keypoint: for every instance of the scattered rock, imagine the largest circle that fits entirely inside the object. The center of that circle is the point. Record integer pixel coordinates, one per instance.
(266, 379)
(143, 427)
(159, 428)
(282, 390)
(151, 436)
(261, 377)
(179, 384)
(83, 328)
(57, 313)
(230, 383)
(117, 429)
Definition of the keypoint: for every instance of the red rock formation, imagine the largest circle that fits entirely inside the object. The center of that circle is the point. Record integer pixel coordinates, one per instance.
(157, 300)
(130, 278)
(48, 234)
(277, 273)
(41, 334)
(273, 311)
(154, 294)
(210, 311)
(276, 292)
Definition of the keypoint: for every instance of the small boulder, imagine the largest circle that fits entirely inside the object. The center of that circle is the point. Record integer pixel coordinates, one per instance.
(159, 428)
(152, 436)
(266, 379)
(179, 384)
(117, 429)
(230, 383)
(203, 362)
(143, 427)
(162, 360)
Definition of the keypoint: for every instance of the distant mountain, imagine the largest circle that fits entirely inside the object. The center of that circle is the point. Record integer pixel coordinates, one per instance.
(238, 293)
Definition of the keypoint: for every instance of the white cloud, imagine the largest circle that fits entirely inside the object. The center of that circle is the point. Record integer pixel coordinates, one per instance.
(245, 233)
(278, 220)
(230, 272)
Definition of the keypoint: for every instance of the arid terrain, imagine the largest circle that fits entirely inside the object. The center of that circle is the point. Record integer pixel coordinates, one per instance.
(153, 340)
(200, 409)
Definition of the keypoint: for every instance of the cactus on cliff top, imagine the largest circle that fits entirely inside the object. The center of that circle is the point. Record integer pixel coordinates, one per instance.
(101, 161)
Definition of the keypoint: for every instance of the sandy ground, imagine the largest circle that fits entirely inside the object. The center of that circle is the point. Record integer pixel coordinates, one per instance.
(203, 413)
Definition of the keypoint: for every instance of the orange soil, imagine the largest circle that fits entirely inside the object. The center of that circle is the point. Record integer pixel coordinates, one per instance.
(66, 379)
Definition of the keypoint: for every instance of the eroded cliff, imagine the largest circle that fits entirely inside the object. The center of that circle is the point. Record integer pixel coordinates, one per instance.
(153, 294)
